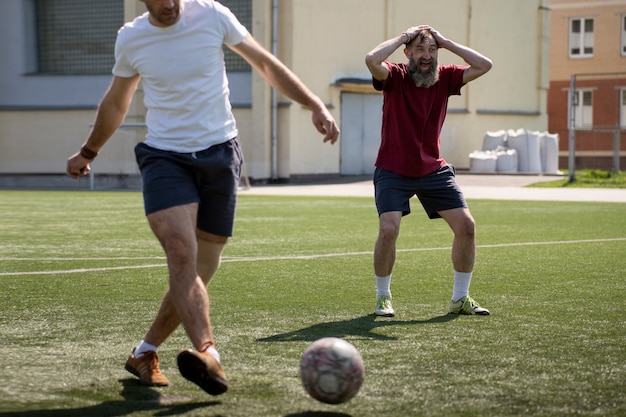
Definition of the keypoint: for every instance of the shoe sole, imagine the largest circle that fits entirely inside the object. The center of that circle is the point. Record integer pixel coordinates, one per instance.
(384, 314)
(194, 369)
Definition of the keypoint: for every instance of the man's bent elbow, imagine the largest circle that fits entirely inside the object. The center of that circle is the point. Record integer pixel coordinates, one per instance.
(486, 65)
(369, 61)
(482, 69)
(376, 67)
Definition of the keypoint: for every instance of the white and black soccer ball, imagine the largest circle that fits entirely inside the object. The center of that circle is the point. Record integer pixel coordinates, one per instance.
(331, 370)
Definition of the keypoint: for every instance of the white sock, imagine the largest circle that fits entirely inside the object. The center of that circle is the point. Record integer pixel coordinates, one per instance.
(383, 286)
(461, 285)
(213, 352)
(143, 348)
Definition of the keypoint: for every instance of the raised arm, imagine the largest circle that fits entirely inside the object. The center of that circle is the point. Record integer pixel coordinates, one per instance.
(109, 117)
(284, 80)
(478, 63)
(375, 59)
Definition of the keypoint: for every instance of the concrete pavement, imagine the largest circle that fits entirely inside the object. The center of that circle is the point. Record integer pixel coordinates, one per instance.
(474, 186)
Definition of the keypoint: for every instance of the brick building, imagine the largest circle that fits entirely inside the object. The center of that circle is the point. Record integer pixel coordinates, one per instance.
(587, 94)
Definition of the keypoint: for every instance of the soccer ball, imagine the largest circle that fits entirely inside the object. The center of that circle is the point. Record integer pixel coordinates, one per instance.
(331, 370)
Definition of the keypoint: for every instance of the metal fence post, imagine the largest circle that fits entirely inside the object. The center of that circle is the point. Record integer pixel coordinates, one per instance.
(616, 147)
(571, 162)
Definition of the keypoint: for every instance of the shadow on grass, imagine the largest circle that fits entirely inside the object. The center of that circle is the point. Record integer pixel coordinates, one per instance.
(357, 327)
(136, 398)
(318, 414)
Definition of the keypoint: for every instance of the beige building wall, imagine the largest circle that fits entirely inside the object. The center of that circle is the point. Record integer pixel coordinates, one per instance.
(322, 41)
(511, 95)
(39, 142)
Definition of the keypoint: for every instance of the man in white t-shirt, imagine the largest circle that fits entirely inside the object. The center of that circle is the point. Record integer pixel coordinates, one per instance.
(190, 161)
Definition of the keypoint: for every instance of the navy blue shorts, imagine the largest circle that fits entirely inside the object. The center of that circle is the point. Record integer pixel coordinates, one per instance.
(209, 178)
(437, 191)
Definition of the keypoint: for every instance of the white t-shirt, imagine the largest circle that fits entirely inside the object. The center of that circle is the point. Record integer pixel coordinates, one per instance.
(183, 75)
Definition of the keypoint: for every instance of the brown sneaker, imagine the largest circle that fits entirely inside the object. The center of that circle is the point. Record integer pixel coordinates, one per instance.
(147, 369)
(203, 370)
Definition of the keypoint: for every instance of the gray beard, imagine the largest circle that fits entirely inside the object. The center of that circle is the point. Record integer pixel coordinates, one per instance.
(424, 79)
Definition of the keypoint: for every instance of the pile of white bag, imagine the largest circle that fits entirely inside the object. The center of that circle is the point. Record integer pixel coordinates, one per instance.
(517, 151)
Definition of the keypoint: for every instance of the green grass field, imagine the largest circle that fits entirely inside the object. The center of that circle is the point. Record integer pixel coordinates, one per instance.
(81, 276)
(589, 178)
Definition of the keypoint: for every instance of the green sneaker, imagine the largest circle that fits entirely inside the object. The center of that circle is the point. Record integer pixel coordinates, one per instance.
(383, 306)
(467, 305)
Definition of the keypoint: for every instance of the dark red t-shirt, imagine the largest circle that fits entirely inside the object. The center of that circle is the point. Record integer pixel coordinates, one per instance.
(413, 118)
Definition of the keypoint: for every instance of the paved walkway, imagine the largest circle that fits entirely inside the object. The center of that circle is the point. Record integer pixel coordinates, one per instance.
(494, 187)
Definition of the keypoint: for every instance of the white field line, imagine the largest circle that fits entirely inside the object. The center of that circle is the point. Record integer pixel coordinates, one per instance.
(270, 258)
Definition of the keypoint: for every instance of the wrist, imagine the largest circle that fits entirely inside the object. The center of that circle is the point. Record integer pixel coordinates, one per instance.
(87, 153)
(444, 43)
(316, 105)
(406, 38)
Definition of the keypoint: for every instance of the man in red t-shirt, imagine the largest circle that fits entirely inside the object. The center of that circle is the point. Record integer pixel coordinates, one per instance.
(409, 162)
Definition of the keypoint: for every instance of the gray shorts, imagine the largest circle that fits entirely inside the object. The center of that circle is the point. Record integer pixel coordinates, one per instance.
(209, 178)
(437, 191)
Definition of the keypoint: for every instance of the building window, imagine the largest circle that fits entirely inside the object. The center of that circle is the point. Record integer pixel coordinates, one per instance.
(581, 38)
(243, 10)
(624, 34)
(582, 105)
(77, 36)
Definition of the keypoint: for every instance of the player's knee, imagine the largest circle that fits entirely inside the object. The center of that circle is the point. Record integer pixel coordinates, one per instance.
(388, 231)
(467, 229)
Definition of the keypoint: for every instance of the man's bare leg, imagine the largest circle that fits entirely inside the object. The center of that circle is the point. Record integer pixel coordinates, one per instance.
(210, 248)
(176, 230)
(384, 260)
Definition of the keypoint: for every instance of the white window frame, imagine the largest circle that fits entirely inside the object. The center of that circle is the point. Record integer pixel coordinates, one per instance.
(582, 40)
(583, 114)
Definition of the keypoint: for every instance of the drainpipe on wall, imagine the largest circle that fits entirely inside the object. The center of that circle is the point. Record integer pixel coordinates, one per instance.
(274, 145)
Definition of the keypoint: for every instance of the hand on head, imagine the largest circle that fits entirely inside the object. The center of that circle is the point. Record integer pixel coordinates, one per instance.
(414, 31)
